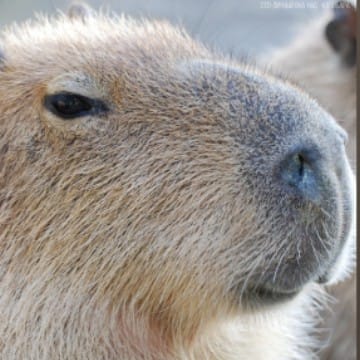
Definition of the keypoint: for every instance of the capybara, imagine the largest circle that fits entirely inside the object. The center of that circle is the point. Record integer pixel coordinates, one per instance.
(159, 200)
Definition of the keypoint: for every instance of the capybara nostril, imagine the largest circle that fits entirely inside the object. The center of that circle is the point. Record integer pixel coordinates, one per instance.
(298, 172)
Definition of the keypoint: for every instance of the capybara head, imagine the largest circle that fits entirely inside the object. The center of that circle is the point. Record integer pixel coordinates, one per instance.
(145, 177)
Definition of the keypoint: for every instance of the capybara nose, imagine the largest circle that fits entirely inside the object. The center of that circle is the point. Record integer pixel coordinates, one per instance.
(299, 173)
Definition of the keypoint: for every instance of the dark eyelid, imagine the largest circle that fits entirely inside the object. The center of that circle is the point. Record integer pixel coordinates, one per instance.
(93, 106)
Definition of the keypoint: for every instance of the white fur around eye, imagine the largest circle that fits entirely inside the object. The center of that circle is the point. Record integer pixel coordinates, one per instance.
(78, 83)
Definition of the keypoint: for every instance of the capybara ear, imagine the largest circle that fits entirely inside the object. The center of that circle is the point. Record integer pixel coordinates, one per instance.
(341, 32)
(79, 10)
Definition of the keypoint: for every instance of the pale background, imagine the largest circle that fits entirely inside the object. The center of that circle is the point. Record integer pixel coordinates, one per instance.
(236, 26)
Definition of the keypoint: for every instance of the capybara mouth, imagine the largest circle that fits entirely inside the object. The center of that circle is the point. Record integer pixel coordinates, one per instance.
(313, 240)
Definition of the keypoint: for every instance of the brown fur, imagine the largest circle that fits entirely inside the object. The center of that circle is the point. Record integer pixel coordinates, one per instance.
(311, 62)
(136, 234)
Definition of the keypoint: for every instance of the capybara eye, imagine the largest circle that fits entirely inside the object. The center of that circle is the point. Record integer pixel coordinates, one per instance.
(70, 106)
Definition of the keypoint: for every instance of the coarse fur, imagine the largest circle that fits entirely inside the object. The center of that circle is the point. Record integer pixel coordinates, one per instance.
(147, 231)
(314, 65)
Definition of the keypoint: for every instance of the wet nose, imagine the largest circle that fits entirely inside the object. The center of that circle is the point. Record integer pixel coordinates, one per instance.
(299, 173)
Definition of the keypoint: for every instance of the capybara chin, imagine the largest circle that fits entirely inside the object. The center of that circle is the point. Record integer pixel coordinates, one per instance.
(160, 201)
